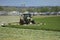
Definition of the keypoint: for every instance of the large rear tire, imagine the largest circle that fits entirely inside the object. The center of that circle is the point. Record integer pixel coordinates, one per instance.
(21, 22)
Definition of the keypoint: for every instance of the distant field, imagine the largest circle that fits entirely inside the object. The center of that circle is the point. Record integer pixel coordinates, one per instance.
(31, 32)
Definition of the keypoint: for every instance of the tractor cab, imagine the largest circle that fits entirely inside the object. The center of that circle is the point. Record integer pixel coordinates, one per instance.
(26, 18)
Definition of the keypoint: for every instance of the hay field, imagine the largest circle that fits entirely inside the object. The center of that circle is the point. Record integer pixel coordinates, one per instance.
(9, 33)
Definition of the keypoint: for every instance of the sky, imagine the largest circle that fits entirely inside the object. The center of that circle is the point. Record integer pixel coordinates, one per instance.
(30, 2)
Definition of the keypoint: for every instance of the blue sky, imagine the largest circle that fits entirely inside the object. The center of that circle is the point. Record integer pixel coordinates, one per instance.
(30, 2)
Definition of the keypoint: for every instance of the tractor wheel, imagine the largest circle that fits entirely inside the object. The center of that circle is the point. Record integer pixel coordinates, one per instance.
(21, 22)
(33, 22)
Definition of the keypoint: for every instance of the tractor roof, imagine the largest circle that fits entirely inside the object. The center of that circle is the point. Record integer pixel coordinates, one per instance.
(26, 12)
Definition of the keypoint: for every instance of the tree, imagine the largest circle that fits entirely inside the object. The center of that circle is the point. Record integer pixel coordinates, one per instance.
(1, 8)
(44, 9)
(55, 9)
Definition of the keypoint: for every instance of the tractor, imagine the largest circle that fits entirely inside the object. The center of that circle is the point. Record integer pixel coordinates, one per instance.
(26, 18)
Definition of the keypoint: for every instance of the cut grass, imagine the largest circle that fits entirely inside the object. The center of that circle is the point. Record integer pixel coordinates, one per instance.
(7, 33)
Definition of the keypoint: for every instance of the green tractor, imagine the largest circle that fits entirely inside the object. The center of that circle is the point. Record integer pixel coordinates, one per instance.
(26, 18)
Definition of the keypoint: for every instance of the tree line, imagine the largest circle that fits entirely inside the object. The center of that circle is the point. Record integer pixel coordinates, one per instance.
(32, 9)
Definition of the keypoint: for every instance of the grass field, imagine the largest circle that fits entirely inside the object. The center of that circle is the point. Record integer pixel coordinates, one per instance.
(27, 32)
(45, 23)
